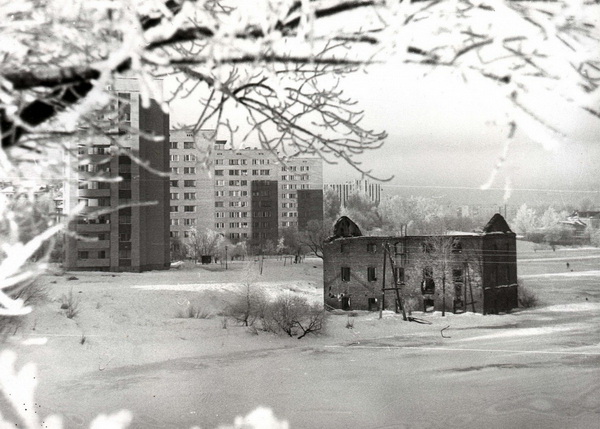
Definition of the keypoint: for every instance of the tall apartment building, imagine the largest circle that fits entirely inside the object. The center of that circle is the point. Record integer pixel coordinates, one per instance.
(226, 203)
(134, 238)
(191, 188)
(363, 186)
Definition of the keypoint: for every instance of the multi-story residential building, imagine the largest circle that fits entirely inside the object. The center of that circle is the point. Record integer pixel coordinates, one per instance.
(364, 186)
(125, 236)
(310, 207)
(225, 204)
(191, 192)
(264, 206)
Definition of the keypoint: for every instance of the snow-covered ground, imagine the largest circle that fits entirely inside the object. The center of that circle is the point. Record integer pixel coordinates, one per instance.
(128, 348)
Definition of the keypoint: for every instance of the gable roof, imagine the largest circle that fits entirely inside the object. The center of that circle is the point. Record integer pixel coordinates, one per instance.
(497, 224)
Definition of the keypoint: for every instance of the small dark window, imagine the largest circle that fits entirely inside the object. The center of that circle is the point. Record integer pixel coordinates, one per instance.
(399, 248)
(83, 255)
(342, 247)
(371, 247)
(371, 274)
(456, 246)
(174, 183)
(345, 274)
(101, 254)
(427, 247)
(400, 274)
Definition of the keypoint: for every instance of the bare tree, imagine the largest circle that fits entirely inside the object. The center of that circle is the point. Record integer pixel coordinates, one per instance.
(203, 242)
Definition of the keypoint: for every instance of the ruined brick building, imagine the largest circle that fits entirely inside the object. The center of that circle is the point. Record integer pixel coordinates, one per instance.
(459, 272)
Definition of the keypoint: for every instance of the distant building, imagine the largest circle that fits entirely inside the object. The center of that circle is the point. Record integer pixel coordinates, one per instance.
(264, 207)
(481, 270)
(310, 207)
(134, 238)
(365, 187)
(225, 204)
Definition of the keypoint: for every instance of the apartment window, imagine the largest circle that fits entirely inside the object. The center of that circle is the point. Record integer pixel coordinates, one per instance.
(234, 162)
(234, 172)
(123, 236)
(371, 247)
(174, 209)
(244, 162)
(174, 234)
(371, 274)
(345, 274)
(244, 172)
(189, 170)
(174, 158)
(219, 214)
(220, 225)
(219, 183)
(125, 220)
(189, 222)
(265, 172)
(174, 221)
(218, 203)
(234, 224)
(189, 157)
(234, 203)
(174, 183)
(234, 193)
(189, 208)
(219, 161)
(189, 195)
(243, 183)
(219, 193)
(174, 196)
(189, 183)
(174, 170)
(124, 254)
(255, 172)
(83, 254)
(219, 172)
(188, 145)
(234, 183)
(234, 235)
(173, 145)
(101, 254)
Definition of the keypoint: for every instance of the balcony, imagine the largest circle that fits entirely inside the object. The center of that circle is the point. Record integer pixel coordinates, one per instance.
(93, 263)
(88, 245)
(94, 193)
(93, 227)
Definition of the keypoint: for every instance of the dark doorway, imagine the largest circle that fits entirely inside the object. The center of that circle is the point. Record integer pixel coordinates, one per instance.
(373, 304)
(345, 303)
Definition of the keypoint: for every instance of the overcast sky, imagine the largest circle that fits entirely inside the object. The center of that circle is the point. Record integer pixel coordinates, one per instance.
(445, 132)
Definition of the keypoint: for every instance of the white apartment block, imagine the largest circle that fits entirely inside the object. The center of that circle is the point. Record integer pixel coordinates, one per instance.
(222, 196)
(365, 187)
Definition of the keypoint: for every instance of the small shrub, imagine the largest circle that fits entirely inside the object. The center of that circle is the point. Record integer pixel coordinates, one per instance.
(248, 305)
(31, 293)
(527, 298)
(70, 304)
(72, 278)
(293, 316)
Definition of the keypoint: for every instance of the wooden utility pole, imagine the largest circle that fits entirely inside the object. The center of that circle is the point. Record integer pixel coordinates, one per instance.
(382, 302)
(396, 286)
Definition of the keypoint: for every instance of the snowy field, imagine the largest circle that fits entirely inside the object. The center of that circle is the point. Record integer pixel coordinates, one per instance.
(128, 348)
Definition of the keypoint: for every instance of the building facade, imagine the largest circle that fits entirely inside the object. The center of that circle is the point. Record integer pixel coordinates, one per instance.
(225, 202)
(466, 272)
(310, 207)
(116, 230)
(365, 187)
